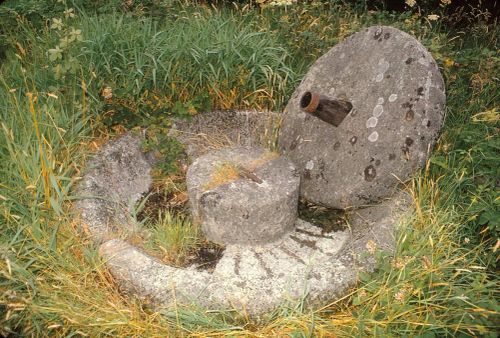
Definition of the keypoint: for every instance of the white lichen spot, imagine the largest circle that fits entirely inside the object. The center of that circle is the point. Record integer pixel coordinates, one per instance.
(384, 66)
(424, 122)
(310, 165)
(378, 110)
(428, 83)
(379, 77)
(393, 97)
(371, 122)
(373, 137)
(423, 61)
(380, 100)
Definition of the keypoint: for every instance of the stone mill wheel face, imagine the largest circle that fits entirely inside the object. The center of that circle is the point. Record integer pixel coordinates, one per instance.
(397, 96)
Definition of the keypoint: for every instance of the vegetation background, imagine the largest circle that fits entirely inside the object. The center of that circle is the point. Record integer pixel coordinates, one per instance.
(75, 73)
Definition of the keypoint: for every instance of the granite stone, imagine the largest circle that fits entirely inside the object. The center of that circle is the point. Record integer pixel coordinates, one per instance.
(398, 99)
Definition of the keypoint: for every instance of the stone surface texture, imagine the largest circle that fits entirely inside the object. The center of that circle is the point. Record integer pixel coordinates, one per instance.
(253, 279)
(398, 99)
(115, 179)
(243, 210)
(225, 128)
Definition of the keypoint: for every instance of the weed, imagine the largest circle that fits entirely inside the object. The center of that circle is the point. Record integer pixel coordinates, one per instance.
(223, 173)
(174, 238)
(229, 171)
(165, 149)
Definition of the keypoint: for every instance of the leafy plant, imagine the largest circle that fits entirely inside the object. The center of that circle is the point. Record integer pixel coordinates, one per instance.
(166, 149)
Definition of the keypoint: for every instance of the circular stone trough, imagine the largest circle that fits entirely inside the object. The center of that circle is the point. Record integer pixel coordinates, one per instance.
(243, 195)
(305, 264)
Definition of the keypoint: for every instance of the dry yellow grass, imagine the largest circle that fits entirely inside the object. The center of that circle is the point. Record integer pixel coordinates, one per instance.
(223, 174)
(228, 171)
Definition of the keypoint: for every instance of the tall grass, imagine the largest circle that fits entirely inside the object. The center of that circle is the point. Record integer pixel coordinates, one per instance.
(215, 56)
(442, 280)
(187, 62)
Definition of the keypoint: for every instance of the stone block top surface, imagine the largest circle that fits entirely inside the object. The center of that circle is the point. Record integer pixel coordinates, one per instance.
(243, 195)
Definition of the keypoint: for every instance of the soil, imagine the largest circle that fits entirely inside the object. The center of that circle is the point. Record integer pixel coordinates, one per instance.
(207, 256)
(327, 219)
(159, 201)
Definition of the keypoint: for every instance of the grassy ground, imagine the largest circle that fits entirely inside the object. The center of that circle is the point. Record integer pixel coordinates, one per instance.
(72, 74)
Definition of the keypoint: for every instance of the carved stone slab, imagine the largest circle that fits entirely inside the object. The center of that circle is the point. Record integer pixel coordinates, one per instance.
(304, 266)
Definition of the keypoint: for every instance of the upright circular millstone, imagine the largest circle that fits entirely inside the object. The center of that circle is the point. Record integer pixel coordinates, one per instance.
(397, 96)
(243, 195)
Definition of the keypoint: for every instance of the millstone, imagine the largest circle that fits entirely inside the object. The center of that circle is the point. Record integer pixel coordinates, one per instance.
(114, 180)
(243, 195)
(390, 87)
(306, 266)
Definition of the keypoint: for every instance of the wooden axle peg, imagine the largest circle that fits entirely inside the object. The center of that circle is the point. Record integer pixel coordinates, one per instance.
(332, 111)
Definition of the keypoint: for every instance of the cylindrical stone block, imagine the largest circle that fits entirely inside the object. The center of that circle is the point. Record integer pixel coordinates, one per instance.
(243, 195)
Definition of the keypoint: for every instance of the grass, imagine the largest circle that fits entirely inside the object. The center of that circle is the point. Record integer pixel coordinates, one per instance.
(229, 171)
(223, 173)
(443, 279)
(174, 238)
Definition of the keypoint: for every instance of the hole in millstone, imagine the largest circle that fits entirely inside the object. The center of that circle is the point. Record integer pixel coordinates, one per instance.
(168, 231)
(325, 218)
(305, 100)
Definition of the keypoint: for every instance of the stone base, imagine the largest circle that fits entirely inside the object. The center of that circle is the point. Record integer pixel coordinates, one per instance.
(253, 279)
(304, 265)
